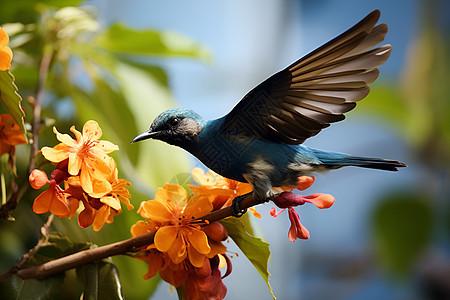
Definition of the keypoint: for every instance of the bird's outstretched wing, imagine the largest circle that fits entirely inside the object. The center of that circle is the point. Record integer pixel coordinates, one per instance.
(299, 101)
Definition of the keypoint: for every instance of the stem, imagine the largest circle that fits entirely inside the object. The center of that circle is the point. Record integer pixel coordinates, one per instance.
(17, 194)
(43, 72)
(130, 245)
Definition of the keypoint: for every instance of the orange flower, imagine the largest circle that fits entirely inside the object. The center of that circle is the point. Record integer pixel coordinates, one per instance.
(10, 133)
(179, 235)
(98, 209)
(53, 199)
(221, 190)
(5, 52)
(88, 156)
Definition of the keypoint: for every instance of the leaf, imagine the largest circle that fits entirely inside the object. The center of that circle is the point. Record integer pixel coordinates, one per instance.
(256, 250)
(119, 38)
(10, 98)
(48, 288)
(16, 288)
(402, 227)
(101, 281)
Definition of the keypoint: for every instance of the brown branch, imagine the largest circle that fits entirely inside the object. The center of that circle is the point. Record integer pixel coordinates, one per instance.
(43, 72)
(130, 245)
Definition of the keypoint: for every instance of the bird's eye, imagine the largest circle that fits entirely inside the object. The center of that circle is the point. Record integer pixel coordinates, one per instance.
(174, 121)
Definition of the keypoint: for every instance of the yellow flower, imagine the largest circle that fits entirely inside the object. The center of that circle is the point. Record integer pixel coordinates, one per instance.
(88, 156)
(179, 235)
(5, 52)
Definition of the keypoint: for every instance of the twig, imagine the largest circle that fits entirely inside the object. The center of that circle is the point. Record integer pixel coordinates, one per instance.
(130, 245)
(43, 71)
(42, 240)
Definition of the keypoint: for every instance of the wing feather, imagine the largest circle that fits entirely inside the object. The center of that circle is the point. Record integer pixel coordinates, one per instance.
(299, 101)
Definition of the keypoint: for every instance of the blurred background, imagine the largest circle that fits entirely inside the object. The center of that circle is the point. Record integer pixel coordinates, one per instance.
(388, 234)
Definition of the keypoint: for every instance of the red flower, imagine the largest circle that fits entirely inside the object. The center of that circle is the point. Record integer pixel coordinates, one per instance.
(289, 200)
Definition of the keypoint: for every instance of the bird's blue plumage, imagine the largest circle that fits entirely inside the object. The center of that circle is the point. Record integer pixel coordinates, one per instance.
(259, 141)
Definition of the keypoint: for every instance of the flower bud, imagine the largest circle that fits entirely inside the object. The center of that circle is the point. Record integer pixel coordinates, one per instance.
(216, 231)
(38, 179)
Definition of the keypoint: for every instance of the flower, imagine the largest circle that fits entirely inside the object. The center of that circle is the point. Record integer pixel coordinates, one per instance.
(53, 199)
(205, 283)
(88, 156)
(289, 200)
(5, 52)
(98, 209)
(179, 234)
(221, 190)
(10, 133)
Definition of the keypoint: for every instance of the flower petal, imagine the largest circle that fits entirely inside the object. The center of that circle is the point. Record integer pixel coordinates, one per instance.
(304, 182)
(111, 202)
(175, 193)
(320, 200)
(42, 202)
(74, 164)
(156, 211)
(155, 263)
(77, 134)
(198, 206)
(91, 131)
(100, 217)
(86, 217)
(6, 55)
(86, 181)
(58, 205)
(165, 237)
(4, 38)
(177, 251)
(56, 154)
(107, 146)
(196, 258)
(199, 240)
(64, 138)
(140, 228)
(297, 230)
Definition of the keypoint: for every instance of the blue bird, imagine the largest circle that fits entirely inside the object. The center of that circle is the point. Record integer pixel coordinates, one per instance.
(259, 140)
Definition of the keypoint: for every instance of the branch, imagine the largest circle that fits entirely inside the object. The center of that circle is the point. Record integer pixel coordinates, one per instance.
(43, 72)
(130, 245)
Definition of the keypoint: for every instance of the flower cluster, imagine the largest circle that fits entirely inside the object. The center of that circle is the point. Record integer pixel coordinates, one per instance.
(288, 200)
(5, 52)
(89, 176)
(186, 251)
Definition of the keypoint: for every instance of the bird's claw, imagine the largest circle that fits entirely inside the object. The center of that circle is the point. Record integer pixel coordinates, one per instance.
(236, 210)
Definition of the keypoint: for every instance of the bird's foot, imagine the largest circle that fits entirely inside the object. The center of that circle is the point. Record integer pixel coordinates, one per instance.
(236, 210)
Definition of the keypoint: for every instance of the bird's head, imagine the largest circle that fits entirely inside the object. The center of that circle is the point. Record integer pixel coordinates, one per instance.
(175, 126)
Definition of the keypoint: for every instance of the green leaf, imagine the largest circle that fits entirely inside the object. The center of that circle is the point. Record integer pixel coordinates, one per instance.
(256, 250)
(101, 281)
(19, 289)
(402, 227)
(48, 288)
(10, 98)
(119, 38)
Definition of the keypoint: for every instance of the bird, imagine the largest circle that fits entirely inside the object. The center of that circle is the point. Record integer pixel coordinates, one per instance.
(260, 141)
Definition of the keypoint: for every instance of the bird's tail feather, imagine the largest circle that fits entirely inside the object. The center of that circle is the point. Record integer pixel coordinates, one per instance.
(335, 160)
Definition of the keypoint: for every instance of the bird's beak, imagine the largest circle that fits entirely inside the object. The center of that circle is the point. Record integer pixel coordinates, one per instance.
(146, 135)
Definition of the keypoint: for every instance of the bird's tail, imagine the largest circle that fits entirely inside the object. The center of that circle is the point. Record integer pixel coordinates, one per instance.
(337, 160)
